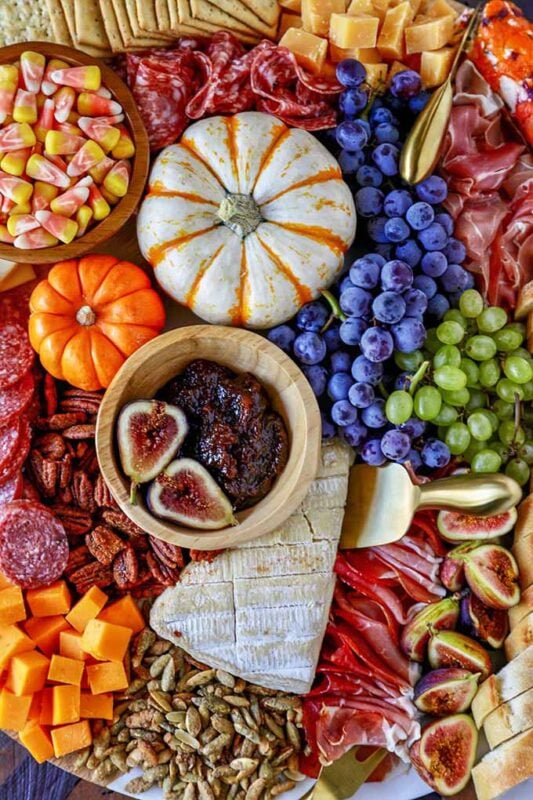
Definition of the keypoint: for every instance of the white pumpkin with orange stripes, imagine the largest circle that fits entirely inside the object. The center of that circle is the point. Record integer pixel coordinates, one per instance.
(246, 219)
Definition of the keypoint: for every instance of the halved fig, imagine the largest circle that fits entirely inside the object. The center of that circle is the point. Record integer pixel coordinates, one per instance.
(149, 434)
(452, 649)
(448, 751)
(455, 527)
(415, 635)
(491, 625)
(414, 755)
(492, 574)
(452, 570)
(186, 493)
(446, 691)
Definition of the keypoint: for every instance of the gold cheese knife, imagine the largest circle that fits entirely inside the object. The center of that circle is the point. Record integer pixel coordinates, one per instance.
(421, 150)
(382, 501)
(342, 778)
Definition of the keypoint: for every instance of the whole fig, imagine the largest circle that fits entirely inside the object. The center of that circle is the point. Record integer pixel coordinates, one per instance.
(446, 691)
(415, 635)
(452, 570)
(448, 751)
(491, 625)
(456, 527)
(452, 649)
(492, 574)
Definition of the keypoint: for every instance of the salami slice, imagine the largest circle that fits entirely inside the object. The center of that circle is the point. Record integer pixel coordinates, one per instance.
(227, 88)
(9, 437)
(16, 398)
(16, 354)
(15, 303)
(33, 544)
(17, 457)
(11, 489)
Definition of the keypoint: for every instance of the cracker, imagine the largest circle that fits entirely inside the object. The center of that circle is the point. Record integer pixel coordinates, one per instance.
(214, 14)
(24, 21)
(267, 10)
(126, 32)
(239, 11)
(111, 26)
(136, 28)
(146, 15)
(89, 25)
(68, 11)
(60, 31)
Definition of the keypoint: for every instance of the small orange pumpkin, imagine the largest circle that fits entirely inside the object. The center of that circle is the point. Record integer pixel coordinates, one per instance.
(89, 315)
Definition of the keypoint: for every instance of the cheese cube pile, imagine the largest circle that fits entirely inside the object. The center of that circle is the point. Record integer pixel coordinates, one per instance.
(385, 35)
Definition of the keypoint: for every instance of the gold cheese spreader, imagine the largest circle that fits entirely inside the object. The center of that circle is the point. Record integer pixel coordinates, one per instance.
(382, 501)
(421, 150)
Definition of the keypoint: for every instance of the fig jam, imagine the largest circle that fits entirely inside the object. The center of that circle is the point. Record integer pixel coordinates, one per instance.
(234, 432)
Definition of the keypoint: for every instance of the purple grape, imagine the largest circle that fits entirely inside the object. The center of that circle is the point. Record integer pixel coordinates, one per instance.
(369, 201)
(380, 114)
(396, 276)
(397, 202)
(339, 385)
(403, 381)
(317, 377)
(376, 229)
(365, 371)
(409, 334)
(369, 176)
(426, 285)
(418, 102)
(352, 329)
(354, 434)
(405, 84)
(416, 302)
(434, 264)
(455, 251)
(409, 252)
(361, 395)
(365, 273)
(446, 221)
(395, 444)
(309, 348)
(438, 306)
(373, 415)
(328, 430)
(343, 413)
(454, 279)
(414, 459)
(351, 135)
(386, 157)
(341, 361)
(470, 281)
(355, 302)
(377, 344)
(385, 132)
(389, 307)
(345, 283)
(385, 250)
(396, 229)
(432, 190)
(332, 338)
(433, 237)
(420, 216)
(283, 336)
(352, 101)
(371, 453)
(350, 72)
(376, 258)
(414, 427)
(312, 317)
(351, 162)
(435, 454)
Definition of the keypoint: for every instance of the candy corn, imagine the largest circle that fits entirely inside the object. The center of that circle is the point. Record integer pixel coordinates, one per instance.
(21, 208)
(36, 239)
(111, 198)
(15, 162)
(125, 147)
(84, 215)
(16, 189)
(100, 170)
(5, 236)
(103, 91)
(48, 87)
(8, 87)
(43, 194)
(32, 67)
(45, 120)
(89, 155)
(117, 179)
(21, 223)
(16, 136)
(94, 106)
(58, 143)
(25, 107)
(7, 205)
(41, 169)
(107, 136)
(112, 120)
(87, 78)
(64, 101)
(68, 127)
(69, 202)
(61, 227)
(99, 205)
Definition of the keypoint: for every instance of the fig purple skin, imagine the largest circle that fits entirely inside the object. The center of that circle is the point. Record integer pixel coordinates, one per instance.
(448, 751)
(455, 527)
(415, 635)
(452, 571)
(490, 625)
(452, 649)
(492, 575)
(446, 691)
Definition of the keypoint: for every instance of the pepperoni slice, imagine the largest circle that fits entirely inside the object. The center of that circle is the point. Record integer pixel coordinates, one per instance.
(11, 489)
(33, 544)
(16, 354)
(9, 438)
(16, 458)
(16, 398)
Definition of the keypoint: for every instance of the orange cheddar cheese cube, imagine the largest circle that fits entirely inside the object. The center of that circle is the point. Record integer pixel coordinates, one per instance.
(361, 7)
(45, 632)
(65, 704)
(65, 670)
(106, 641)
(50, 600)
(428, 33)
(109, 676)
(435, 66)
(316, 14)
(14, 710)
(124, 612)
(37, 741)
(288, 20)
(70, 645)
(309, 50)
(380, 8)
(4, 582)
(366, 55)
(96, 706)
(376, 74)
(350, 30)
(390, 39)
(27, 672)
(70, 738)
(13, 641)
(12, 607)
(46, 715)
(87, 608)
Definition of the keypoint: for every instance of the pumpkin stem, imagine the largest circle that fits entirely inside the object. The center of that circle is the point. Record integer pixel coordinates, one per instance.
(240, 213)
(85, 316)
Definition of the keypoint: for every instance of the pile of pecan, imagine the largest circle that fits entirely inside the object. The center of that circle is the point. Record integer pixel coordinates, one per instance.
(106, 548)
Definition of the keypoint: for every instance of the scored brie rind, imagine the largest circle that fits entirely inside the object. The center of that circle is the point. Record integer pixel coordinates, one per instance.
(260, 610)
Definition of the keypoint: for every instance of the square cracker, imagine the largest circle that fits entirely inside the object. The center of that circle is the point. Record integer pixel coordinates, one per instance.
(163, 21)
(146, 15)
(136, 28)
(238, 10)
(123, 21)
(24, 21)
(89, 25)
(209, 12)
(111, 26)
(267, 10)
(60, 31)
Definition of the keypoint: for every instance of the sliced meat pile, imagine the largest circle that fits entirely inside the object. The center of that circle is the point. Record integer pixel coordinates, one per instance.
(216, 75)
(490, 179)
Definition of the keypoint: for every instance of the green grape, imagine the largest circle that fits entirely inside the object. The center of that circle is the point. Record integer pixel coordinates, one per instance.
(447, 355)
(450, 332)
(489, 373)
(526, 452)
(518, 470)
(457, 438)
(486, 461)
(494, 421)
(507, 339)
(399, 407)
(457, 398)
(432, 340)
(508, 390)
(473, 448)
(480, 348)
(502, 409)
(471, 304)
(491, 319)
(427, 402)
(528, 391)
(446, 415)
(503, 451)
(408, 361)
(519, 327)
(454, 315)
(479, 426)
(508, 433)
(478, 399)
(450, 378)
(517, 369)
(471, 370)
(521, 352)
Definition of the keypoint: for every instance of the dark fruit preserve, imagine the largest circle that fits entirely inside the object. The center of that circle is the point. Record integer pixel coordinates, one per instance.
(234, 432)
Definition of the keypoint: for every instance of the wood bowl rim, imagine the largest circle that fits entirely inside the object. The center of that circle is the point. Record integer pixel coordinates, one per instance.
(289, 489)
(122, 211)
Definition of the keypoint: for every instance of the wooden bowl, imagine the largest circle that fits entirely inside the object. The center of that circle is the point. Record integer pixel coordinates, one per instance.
(120, 213)
(154, 364)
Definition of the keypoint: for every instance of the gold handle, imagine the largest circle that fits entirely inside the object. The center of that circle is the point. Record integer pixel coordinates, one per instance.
(481, 495)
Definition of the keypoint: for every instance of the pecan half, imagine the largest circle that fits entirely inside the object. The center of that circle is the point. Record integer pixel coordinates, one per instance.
(82, 490)
(58, 422)
(167, 553)
(102, 494)
(76, 521)
(51, 445)
(126, 568)
(77, 558)
(118, 520)
(92, 574)
(103, 544)
(86, 431)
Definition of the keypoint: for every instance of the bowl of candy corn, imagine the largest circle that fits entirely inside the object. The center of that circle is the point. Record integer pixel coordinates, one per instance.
(74, 153)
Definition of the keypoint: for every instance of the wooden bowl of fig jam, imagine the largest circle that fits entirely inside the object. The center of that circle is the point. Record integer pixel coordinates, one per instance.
(253, 424)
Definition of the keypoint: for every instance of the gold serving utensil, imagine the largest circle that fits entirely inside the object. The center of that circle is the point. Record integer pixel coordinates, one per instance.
(341, 779)
(382, 501)
(421, 150)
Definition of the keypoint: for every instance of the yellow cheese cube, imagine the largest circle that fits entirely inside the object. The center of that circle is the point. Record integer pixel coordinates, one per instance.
(440, 8)
(380, 8)
(390, 40)
(361, 7)
(428, 33)
(347, 30)
(376, 74)
(316, 14)
(394, 68)
(367, 55)
(287, 21)
(310, 50)
(415, 4)
(435, 66)
(291, 5)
